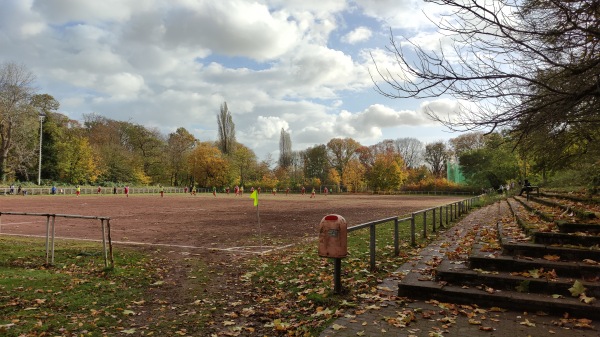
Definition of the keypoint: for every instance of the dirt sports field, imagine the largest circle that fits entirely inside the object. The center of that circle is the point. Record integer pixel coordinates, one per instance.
(225, 222)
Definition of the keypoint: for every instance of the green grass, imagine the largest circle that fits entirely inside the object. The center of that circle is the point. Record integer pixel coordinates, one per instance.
(76, 296)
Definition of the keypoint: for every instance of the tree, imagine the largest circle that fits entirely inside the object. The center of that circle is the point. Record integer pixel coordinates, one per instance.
(76, 160)
(147, 147)
(354, 175)
(411, 150)
(492, 165)
(16, 89)
(526, 66)
(340, 151)
(387, 173)
(467, 142)
(52, 126)
(436, 155)
(285, 149)
(208, 167)
(179, 145)
(316, 163)
(244, 162)
(226, 126)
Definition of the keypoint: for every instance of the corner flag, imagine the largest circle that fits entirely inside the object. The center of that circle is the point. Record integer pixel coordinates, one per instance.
(254, 196)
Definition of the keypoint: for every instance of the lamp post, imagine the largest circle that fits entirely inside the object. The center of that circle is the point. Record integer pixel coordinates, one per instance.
(40, 156)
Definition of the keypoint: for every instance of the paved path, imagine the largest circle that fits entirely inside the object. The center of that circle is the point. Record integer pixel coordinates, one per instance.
(385, 314)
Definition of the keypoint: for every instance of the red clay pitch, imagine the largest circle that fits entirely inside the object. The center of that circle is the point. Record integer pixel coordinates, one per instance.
(203, 220)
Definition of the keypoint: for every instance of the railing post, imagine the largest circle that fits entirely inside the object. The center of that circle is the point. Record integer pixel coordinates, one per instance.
(424, 224)
(372, 246)
(47, 238)
(53, 234)
(413, 242)
(433, 220)
(104, 244)
(447, 206)
(441, 224)
(396, 238)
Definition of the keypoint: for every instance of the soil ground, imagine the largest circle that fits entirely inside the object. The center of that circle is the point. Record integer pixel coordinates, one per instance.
(203, 221)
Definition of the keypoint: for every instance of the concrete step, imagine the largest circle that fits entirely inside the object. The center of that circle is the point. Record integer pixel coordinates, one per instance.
(550, 238)
(567, 227)
(461, 275)
(570, 269)
(501, 299)
(540, 250)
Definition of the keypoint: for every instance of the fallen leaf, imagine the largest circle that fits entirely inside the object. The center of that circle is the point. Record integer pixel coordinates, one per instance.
(577, 289)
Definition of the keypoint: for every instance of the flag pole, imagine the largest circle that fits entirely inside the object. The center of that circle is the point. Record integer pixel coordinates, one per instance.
(259, 230)
(254, 196)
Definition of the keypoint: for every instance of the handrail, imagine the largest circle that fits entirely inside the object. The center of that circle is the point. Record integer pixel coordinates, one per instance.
(452, 210)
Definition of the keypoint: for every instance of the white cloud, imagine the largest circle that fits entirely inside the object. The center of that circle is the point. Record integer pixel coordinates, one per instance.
(171, 63)
(359, 34)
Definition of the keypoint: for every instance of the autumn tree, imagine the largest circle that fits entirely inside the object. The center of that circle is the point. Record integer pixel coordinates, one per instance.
(208, 166)
(147, 147)
(387, 172)
(226, 141)
(16, 89)
(436, 155)
(76, 160)
(354, 175)
(340, 151)
(110, 140)
(245, 164)
(179, 145)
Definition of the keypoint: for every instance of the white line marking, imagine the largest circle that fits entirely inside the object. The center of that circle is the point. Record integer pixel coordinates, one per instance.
(242, 249)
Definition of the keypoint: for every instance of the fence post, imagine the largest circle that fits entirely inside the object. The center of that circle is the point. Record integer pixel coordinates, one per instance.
(413, 242)
(372, 246)
(447, 215)
(441, 224)
(433, 220)
(47, 237)
(425, 224)
(396, 238)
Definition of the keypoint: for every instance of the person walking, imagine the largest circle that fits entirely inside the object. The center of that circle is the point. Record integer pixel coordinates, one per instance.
(312, 194)
(162, 190)
(77, 190)
(99, 190)
(126, 191)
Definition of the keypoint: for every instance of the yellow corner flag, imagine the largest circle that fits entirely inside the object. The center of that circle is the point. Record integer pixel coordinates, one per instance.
(254, 196)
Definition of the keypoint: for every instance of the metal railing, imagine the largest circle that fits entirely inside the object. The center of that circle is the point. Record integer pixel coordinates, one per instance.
(50, 233)
(452, 212)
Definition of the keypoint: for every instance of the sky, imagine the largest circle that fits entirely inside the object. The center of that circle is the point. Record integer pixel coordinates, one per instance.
(298, 65)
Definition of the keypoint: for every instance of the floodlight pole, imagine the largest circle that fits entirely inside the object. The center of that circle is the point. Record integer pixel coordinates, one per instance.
(40, 156)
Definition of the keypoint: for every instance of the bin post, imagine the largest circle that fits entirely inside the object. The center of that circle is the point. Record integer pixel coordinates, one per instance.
(337, 275)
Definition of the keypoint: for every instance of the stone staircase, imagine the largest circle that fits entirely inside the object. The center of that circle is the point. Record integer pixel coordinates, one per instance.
(524, 269)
